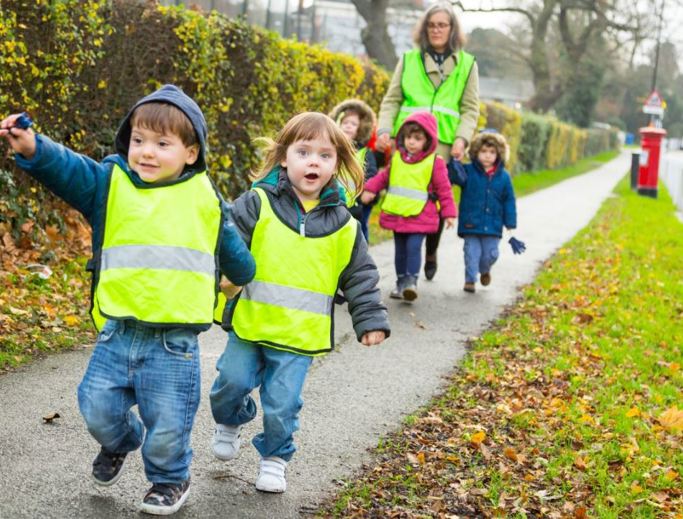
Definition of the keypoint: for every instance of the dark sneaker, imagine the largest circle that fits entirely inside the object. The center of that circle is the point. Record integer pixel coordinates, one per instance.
(410, 290)
(165, 498)
(469, 287)
(108, 467)
(430, 269)
(485, 279)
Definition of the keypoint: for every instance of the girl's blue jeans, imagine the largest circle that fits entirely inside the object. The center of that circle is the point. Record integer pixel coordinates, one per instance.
(245, 365)
(407, 253)
(159, 371)
(481, 252)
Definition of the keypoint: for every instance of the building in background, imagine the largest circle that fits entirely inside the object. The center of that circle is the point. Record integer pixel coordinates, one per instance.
(512, 92)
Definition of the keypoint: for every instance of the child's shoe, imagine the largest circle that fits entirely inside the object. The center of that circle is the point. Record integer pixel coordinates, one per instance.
(397, 293)
(226, 441)
(469, 287)
(410, 288)
(165, 498)
(271, 477)
(108, 467)
(430, 268)
(485, 279)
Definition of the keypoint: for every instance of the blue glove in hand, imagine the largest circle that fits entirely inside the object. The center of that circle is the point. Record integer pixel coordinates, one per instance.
(517, 246)
(23, 121)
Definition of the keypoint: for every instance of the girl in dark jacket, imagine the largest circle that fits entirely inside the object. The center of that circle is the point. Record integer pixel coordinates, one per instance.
(487, 203)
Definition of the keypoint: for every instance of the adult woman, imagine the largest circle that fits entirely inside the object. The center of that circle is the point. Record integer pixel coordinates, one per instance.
(440, 77)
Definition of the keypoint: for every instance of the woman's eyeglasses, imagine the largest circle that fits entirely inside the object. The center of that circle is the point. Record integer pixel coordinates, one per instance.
(438, 26)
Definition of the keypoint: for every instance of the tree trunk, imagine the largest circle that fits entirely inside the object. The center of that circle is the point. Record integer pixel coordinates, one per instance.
(375, 35)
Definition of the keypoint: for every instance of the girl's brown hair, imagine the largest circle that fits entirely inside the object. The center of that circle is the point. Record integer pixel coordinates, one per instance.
(456, 39)
(305, 127)
(165, 118)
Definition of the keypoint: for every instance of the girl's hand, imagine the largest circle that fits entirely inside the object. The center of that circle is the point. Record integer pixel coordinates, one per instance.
(373, 338)
(21, 141)
(450, 223)
(458, 149)
(383, 141)
(367, 197)
(229, 290)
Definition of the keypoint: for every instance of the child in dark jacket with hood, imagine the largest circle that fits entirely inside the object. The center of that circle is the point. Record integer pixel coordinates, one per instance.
(357, 120)
(415, 180)
(487, 203)
(307, 246)
(161, 237)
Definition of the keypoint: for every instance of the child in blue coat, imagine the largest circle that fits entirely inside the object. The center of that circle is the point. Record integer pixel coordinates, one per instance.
(487, 203)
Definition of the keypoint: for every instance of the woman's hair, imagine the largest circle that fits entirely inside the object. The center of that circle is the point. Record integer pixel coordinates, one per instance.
(165, 118)
(456, 39)
(305, 127)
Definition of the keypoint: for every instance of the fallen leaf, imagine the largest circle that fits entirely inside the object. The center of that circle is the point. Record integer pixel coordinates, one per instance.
(634, 411)
(672, 419)
(510, 453)
(580, 463)
(581, 513)
(478, 437)
(671, 475)
(49, 418)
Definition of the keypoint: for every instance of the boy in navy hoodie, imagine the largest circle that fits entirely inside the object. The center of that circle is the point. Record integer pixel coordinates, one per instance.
(487, 203)
(161, 238)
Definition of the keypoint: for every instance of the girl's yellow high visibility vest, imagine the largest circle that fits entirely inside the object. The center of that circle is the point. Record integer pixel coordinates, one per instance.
(408, 190)
(158, 260)
(350, 198)
(288, 306)
(420, 95)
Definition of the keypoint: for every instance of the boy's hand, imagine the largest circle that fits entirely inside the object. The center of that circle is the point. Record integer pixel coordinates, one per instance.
(367, 197)
(229, 290)
(450, 223)
(21, 141)
(373, 338)
(458, 149)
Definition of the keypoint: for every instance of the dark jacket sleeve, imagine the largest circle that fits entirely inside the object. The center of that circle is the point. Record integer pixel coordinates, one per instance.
(70, 175)
(236, 262)
(245, 214)
(370, 166)
(359, 285)
(456, 173)
(509, 205)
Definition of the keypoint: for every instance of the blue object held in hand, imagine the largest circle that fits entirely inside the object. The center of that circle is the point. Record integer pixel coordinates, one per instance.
(517, 246)
(23, 121)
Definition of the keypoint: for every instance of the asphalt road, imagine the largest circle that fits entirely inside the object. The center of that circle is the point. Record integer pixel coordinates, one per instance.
(352, 396)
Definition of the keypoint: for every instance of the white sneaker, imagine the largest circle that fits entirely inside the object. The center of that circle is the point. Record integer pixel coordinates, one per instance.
(271, 478)
(226, 441)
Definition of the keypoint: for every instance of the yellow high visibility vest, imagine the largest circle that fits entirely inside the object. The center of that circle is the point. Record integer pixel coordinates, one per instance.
(408, 190)
(158, 260)
(288, 306)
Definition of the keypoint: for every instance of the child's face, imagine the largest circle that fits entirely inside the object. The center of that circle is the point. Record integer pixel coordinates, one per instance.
(310, 166)
(415, 142)
(158, 157)
(487, 156)
(349, 125)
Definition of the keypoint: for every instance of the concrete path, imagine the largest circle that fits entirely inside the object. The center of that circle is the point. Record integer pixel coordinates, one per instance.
(352, 396)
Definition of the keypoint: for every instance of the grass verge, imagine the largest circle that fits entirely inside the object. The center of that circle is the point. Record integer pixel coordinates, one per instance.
(570, 406)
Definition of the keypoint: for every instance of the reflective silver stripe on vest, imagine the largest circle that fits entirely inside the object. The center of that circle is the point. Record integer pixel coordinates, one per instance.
(158, 257)
(288, 297)
(437, 108)
(409, 193)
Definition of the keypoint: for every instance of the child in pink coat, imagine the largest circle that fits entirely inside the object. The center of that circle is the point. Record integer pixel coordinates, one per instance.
(415, 180)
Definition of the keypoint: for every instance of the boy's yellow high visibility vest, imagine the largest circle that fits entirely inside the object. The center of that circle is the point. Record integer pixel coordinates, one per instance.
(444, 102)
(408, 190)
(289, 304)
(158, 260)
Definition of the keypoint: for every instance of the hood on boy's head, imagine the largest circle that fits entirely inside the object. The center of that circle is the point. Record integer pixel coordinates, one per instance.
(172, 95)
(489, 138)
(428, 122)
(365, 114)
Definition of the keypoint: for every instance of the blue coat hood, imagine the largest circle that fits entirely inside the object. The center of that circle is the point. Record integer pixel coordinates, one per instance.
(172, 95)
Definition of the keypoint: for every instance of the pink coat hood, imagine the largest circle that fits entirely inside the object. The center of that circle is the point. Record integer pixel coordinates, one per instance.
(428, 123)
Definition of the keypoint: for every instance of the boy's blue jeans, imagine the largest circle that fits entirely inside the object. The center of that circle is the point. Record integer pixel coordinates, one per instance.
(481, 252)
(159, 371)
(407, 253)
(281, 374)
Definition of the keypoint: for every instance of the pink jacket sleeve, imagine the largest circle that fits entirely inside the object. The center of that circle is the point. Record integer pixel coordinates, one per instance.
(442, 187)
(378, 182)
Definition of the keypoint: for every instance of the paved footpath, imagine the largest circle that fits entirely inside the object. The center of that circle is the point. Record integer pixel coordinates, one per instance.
(352, 396)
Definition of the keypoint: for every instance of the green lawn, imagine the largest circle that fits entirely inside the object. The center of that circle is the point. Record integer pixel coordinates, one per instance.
(571, 405)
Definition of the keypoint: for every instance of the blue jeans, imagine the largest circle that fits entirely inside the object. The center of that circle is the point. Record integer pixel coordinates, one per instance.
(245, 365)
(159, 371)
(481, 252)
(407, 253)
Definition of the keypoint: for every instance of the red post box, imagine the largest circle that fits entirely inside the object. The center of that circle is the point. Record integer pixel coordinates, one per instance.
(648, 172)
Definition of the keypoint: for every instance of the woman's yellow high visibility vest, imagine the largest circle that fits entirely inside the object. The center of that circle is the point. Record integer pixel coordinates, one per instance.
(419, 94)
(288, 306)
(408, 190)
(158, 260)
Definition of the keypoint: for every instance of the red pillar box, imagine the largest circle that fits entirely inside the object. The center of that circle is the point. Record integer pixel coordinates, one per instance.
(648, 172)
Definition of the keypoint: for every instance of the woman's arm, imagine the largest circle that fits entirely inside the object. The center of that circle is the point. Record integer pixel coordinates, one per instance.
(469, 107)
(391, 104)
